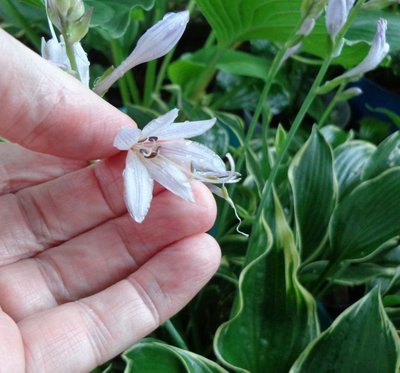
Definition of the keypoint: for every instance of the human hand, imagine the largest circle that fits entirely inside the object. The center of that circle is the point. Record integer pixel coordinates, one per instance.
(79, 280)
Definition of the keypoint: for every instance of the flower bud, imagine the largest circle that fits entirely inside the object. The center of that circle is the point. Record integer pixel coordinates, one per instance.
(349, 94)
(64, 13)
(80, 28)
(154, 43)
(378, 51)
(337, 13)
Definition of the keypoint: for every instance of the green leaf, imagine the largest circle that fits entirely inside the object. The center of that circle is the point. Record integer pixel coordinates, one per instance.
(235, 21)
(373, 129)
(313, 182)
(386, 156)
(350, 274)
(254, 169)
(240, 20)
(362, 339)
(37, 3)
(335, 136)
(367, 217)
(150, 355)
(350, 159)
(274, 316)
(114, 17)
(390, 114)
(187, 69)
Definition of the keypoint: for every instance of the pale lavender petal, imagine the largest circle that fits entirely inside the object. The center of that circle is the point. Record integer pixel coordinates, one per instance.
(157, 125)
(138, 187)
(337, 12)
(379, 50)
(191, 154)
(185, 130)
(159, 39)
(82, 63)
(55, 52)
(126, 138)
(170, 176)
(155, 43)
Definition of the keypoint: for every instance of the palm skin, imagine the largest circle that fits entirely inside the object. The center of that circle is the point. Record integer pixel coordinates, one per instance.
(79, 280)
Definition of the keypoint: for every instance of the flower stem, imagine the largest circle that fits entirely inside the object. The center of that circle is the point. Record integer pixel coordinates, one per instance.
(149, 82)
(122, 83)
(331, 105)
(70, 53)
(292, 132)
(174, 334)
(276, 64)
(22, 22)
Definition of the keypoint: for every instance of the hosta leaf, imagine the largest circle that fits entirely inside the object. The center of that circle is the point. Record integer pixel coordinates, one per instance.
(362, 339)
(114, 17)
(241, 20)
(350, 159)
(274, 316)
(367, 217)
(387, 155)
(335, 136)
(153, 356)
(187, 69)
(314, 189)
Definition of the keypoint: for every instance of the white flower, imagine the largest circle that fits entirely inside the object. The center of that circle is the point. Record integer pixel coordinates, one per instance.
(154, 43)
(55, 52)
(378, 51)
(337, 13)
(161, 152)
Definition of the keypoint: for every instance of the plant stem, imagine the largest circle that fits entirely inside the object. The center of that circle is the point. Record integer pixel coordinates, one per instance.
(70, 53)
(174, 334)
(132, 86)
(276, 63)
(23, 23)
(149, 82)
(122, 83)
(293, 130)
(167, 59)
(331, 105)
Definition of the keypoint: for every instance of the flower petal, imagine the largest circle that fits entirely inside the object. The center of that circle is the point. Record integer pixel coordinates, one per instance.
(186, 129)
(138, 188)
(154, 43)
(170, 176)
(192, 154)
(337, 12)
(156, 125)
(126, 138)
(82, 63)
(158, 40)
(378, 51)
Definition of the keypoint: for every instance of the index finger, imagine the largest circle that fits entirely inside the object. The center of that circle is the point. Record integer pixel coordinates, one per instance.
(46, 110)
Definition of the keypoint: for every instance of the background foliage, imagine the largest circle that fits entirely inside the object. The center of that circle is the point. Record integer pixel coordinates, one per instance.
(316, 286)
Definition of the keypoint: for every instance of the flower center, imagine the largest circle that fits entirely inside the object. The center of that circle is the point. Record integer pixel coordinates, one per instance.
(149, 147)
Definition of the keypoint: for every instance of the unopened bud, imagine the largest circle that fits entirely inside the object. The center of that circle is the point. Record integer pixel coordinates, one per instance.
(349, 94)
(154, 43)
(64, 13)
(80, 28)
(337, 13)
